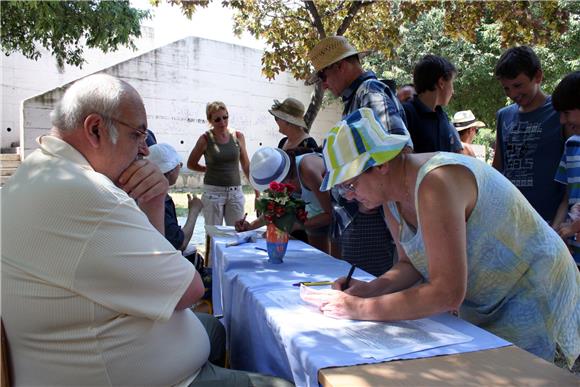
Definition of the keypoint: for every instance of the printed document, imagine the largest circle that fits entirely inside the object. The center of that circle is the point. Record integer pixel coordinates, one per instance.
(376, 340)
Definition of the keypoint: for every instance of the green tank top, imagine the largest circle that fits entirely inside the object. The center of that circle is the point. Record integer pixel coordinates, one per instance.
(222, 161)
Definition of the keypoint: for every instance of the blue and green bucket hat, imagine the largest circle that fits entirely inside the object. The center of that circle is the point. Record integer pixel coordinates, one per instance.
(355, 144)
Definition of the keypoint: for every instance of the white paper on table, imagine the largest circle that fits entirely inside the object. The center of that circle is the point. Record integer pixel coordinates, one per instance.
(243, 237)
(213, 230)
(377, 340)
(225, 228)
(230, 231)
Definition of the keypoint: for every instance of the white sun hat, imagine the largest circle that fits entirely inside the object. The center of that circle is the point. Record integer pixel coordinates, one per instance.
(267, 165)
(465, 119)
(164, 156)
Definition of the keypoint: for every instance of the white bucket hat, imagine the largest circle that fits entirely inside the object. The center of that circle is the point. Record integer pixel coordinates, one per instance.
(465, 119)
(290, 110)
(328, 51)
(267, 165)
(164, 156)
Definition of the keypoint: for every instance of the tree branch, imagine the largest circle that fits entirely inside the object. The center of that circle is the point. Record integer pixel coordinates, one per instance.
(316, 20)
(293, 17)
(355, 6)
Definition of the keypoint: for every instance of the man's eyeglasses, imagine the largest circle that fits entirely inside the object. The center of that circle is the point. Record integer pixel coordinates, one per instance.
(219, 119)
(142, 133)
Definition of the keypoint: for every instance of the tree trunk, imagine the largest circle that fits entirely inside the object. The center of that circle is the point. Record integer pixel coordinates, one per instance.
(315, 104)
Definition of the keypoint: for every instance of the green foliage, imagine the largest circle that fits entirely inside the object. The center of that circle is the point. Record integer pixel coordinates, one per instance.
(188, 7)
(63, 26)
(486, 137)
(476, 87)
(473, 36)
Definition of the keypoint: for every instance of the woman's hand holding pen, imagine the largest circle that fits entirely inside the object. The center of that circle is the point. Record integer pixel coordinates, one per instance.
(355, 288)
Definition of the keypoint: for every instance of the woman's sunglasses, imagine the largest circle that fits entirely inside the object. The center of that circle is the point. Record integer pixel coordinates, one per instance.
(219, 119)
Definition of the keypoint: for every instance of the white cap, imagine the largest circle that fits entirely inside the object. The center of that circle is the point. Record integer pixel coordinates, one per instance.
(268, 164)
(164, 156)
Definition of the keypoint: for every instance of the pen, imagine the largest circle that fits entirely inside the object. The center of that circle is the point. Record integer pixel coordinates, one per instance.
(348, 277)
(261, 248)
(244, 218)
(319, 283)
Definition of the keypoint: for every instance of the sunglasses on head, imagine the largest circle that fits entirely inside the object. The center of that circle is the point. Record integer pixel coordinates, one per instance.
(219, 119)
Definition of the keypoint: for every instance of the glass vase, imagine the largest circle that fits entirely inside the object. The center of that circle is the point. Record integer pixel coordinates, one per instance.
(277, 242)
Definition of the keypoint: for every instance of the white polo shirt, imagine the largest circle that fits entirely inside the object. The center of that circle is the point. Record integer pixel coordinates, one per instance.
(89, 286)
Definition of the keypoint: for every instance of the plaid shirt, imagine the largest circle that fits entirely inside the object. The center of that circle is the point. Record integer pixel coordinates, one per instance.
(367, 91)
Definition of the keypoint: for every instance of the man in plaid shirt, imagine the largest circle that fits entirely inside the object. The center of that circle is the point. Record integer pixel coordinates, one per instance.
(364, 238)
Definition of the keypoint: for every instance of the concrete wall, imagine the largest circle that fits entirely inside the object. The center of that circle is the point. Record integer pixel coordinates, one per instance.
(23, 78)
(177, 80)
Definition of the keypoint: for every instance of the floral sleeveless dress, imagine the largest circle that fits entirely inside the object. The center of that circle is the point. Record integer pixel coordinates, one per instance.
(522, 282)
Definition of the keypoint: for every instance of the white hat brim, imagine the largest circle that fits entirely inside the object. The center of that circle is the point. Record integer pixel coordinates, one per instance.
(288, 118)
(262, 187)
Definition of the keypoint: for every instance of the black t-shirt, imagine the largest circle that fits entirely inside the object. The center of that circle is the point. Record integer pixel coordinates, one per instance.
(430, 130)
(306, 143)
(173, 232)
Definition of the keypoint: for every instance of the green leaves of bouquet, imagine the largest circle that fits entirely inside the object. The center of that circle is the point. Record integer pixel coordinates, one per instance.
(279, 207)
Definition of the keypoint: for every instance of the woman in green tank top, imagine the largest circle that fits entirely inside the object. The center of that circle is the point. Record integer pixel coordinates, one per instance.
(224, 150)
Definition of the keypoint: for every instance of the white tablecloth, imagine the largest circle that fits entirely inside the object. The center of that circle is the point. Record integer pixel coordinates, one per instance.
(256, 324)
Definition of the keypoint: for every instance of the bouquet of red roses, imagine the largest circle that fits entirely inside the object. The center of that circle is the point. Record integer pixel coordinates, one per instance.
(279, 207)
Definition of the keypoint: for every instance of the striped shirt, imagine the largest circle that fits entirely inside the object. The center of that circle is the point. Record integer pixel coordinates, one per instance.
(568, 173)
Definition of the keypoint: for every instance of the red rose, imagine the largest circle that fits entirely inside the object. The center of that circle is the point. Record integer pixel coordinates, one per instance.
(268, 218)
(270, 206)
(277, 187)
(289, 188)
(279, 211)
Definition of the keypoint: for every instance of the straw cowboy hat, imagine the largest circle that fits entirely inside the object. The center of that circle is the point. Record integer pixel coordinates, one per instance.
(290, 110)
(328, 51)
(355, 144)
(267, 165)
(465, 119)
